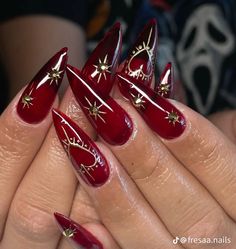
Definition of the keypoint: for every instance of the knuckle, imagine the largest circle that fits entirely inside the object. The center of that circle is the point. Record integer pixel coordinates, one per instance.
(212, 225)
(207, 151)
(32, 222)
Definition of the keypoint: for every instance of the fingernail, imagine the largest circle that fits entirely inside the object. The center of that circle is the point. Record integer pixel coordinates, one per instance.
(141, 59)
(161, 116)
(165, 86)
(102, 63)
(111, 122)
(77, 235)
(85, 156)
(38, 97)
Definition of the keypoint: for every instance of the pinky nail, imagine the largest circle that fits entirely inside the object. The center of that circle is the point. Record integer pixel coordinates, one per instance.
(161, 116)
(39, 95)
(77, 235)
(86, 158)
(165, 86)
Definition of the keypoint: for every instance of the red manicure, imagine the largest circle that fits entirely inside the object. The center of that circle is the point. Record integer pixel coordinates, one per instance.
(38, 97)
(102, 63)
(165, 86)
(112, 123)
(141, 59)
(77, 235)
(159, 113)
(85, 156)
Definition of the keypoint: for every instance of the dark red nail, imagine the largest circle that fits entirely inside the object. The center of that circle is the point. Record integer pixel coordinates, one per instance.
(38, 97)
(159, 113)
(85, 156)
(102, 63)
(165, 86)
(77, 235)
(111, 122)
(141, 59)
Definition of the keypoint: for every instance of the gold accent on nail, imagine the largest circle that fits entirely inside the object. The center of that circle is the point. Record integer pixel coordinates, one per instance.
(54, 75)
(163, 89)
(27, 100)
(101, 69)
(72, 142)
(69, 232)
(139, 73)
(94, 110)
(138, 100)
(173, 117)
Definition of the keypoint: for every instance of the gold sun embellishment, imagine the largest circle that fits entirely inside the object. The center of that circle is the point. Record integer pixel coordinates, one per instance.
(27, 100)
(173, 117)
(138, 100)
(163, 89)
(101, 69)
(94, 110)
(69, 232)
(54, 75)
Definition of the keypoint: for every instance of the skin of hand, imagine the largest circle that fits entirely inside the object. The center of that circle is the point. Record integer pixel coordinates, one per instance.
(171, 189)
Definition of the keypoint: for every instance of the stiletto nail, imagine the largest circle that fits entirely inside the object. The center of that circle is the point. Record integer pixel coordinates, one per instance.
(141, 59)
(112, 123)
(161, 116)
(38, 97)
(165, 86)
(85, 156)
(77, 235)
(102, 63)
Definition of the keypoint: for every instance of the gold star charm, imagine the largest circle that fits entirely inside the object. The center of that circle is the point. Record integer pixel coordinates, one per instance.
(94, 110)
(138, 100)
(173, 117)
(27, 100)
(69, 232)
(163, 89)
(102, 68)
(54, 75)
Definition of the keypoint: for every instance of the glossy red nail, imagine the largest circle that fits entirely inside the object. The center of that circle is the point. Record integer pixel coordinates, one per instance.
(77, 235)
(85, 156)
(165, 86)
(141, 59)
(161, 116)
(111, 122)
(102, 63)
(38, 97)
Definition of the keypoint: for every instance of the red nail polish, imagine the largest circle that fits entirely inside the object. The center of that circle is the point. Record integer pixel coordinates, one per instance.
(38, 97)
(85, 156)
(161, 116)
(111, 122)
(102, 63)
(141, 59)
(78, 236)
(165, 86)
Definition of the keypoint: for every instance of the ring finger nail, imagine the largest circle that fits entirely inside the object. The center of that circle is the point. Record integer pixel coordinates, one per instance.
(39, 95)
(102, 63)
(85, 156)
(159, 113)
(111, 121)
(140, 61)
(78, 236)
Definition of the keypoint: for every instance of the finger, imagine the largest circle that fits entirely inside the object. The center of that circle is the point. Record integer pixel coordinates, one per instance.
(226, 122)
(128, 213)
(23, 126)
(90, 235)
(168, 122)
(48, 185)
(210, 156)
